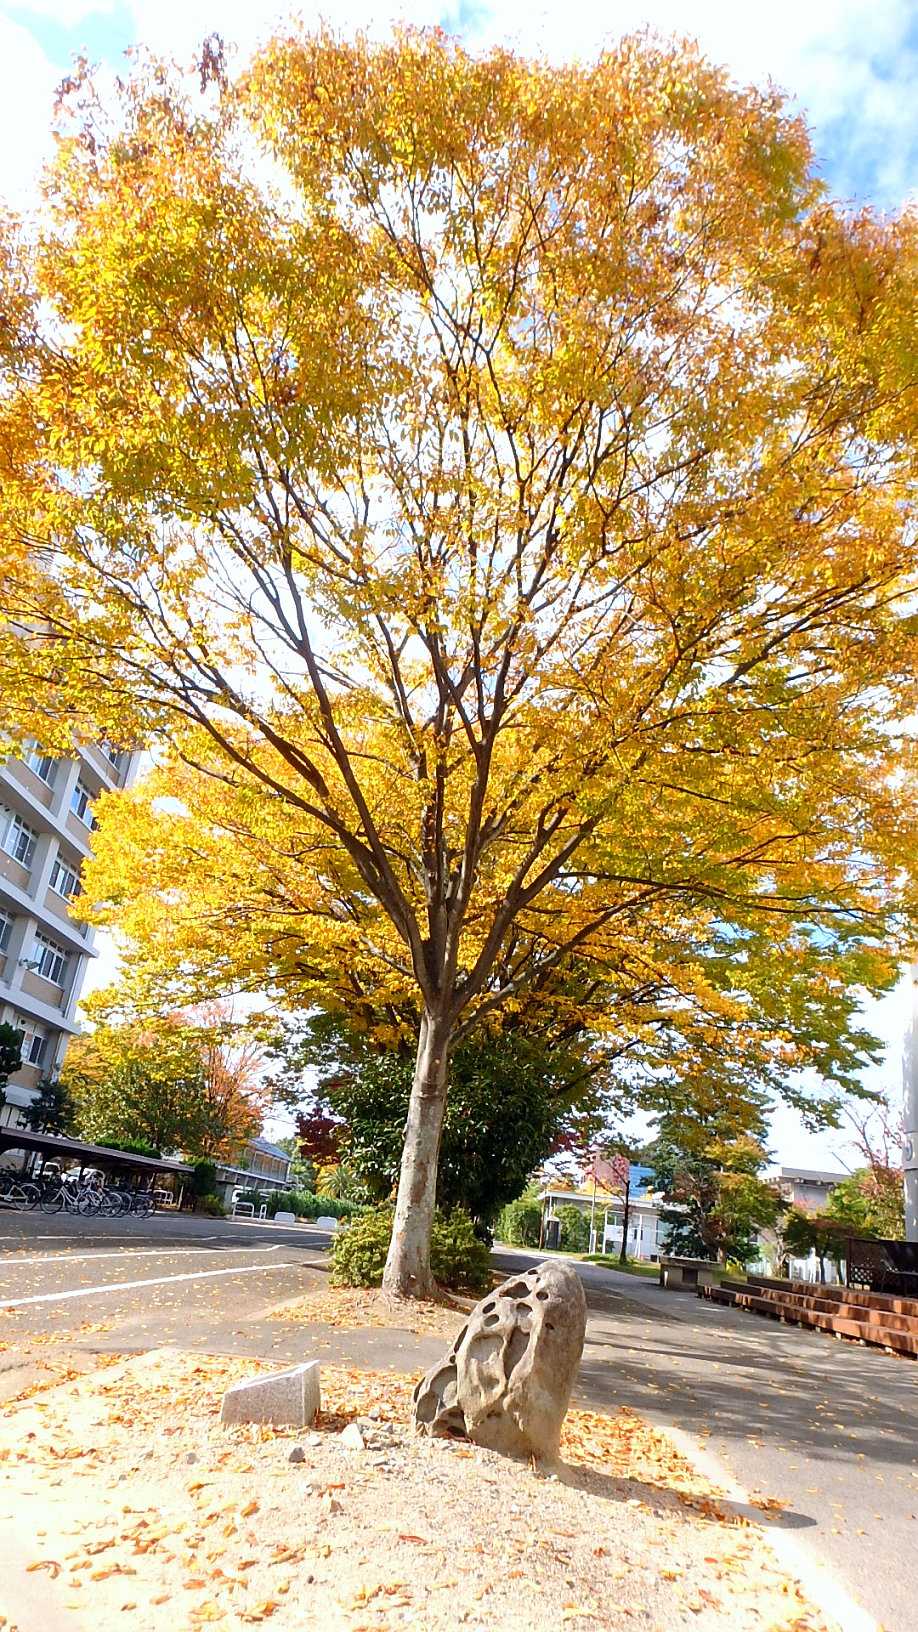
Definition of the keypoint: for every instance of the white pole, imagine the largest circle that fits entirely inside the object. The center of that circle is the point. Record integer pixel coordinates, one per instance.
(910, 1131)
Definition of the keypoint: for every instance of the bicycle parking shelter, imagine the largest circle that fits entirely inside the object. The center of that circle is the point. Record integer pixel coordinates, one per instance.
(59, 1147)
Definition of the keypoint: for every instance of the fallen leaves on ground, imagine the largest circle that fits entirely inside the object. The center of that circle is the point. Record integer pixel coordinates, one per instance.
(234, 1543)
(352, 1308)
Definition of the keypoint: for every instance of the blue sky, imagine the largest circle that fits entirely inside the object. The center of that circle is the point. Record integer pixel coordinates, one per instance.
(851, 66)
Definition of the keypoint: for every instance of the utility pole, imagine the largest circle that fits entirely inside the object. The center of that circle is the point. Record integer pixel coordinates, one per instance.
(910, 1142)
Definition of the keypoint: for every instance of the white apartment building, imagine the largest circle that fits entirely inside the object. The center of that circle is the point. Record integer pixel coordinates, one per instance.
(46, 824)
(647, 1233)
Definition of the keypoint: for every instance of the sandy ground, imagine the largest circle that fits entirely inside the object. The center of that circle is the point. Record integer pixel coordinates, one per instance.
(355, 1308)
(128, 1505)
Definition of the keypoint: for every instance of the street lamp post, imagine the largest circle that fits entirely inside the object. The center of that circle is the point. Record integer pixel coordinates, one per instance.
(910, 1131)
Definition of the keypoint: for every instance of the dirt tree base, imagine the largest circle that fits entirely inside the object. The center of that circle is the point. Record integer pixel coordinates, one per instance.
(126, 1504)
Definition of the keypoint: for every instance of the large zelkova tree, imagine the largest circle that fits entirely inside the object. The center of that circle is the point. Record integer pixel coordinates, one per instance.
(507, 467)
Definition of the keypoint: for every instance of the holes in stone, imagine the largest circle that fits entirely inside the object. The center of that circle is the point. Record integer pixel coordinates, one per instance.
(490, 1320)
(519, 1289)
(483, 1346)
(548, 1326)
(486, 1310)
(542, 1297)
(516, 1348)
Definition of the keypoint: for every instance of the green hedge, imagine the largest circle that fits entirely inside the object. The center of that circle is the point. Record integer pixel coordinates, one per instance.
(458, 1258)
(302, 1203)
(212, 1205)
(575, 1230)
(520, 1221)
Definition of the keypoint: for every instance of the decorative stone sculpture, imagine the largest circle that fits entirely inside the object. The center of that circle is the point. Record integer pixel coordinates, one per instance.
(507, 1379)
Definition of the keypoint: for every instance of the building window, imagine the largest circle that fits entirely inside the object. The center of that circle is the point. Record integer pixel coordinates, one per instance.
(50, 960)
(64, 880)
(117, 757)
(81, 804)
(6, 929)
(19, 839)
(34, 1048)
(42, 764)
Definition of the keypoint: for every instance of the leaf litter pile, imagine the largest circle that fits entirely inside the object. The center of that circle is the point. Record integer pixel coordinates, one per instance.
(351, 1308)
(133, 1506)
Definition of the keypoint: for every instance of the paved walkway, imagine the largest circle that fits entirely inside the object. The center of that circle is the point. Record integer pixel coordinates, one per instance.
(828, 1427)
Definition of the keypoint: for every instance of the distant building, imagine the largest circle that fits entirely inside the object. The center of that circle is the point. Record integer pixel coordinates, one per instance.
(807, 1188)
(46, 825)
(262, 1166)
(647, 1233)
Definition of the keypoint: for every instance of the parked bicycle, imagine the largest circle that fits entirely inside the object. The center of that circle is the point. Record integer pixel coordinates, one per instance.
(18, 1192)
(89, 1197)
(67, 1193)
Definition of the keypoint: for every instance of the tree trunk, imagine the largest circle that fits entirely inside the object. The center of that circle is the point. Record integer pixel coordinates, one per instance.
(623, 1255)
(407, 1272)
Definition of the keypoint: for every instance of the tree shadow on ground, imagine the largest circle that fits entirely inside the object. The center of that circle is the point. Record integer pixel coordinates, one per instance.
(834, 1402)
(663, 1501)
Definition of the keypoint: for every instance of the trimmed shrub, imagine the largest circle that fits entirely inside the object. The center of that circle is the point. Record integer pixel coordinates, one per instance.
(458, 1257)
(358, 1253)
(459, 1260)
(302, 1203)
(520, 1221)
(212, 1205)
(203, 1179)
(575, 1230)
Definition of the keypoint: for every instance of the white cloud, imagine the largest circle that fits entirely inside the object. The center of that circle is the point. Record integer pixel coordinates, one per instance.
(27, 84)
(848, 63)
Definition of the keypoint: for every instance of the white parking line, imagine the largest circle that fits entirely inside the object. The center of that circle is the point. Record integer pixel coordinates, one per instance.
(129, 1286)
(126, 1252)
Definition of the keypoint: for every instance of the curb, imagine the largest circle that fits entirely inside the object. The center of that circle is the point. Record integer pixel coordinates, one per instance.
(825, 1592)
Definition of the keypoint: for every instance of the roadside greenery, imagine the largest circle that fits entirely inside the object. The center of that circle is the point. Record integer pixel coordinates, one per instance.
(212, 1205)
(302, 1203)
(575, 1229)
(709, 1168)
(459, 1259)
(515, 1097)
(134, 1147)
(176, 1083)
(52, 1110)
(520, 1222)
(10, 1055)
(803, 1233)
(870, 1201)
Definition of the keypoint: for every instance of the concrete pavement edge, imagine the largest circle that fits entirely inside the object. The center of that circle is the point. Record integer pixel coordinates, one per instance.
(823, 1589)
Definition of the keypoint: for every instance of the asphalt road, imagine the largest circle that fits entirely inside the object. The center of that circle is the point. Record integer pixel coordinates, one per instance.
(78, 1288)
(829, 1429)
